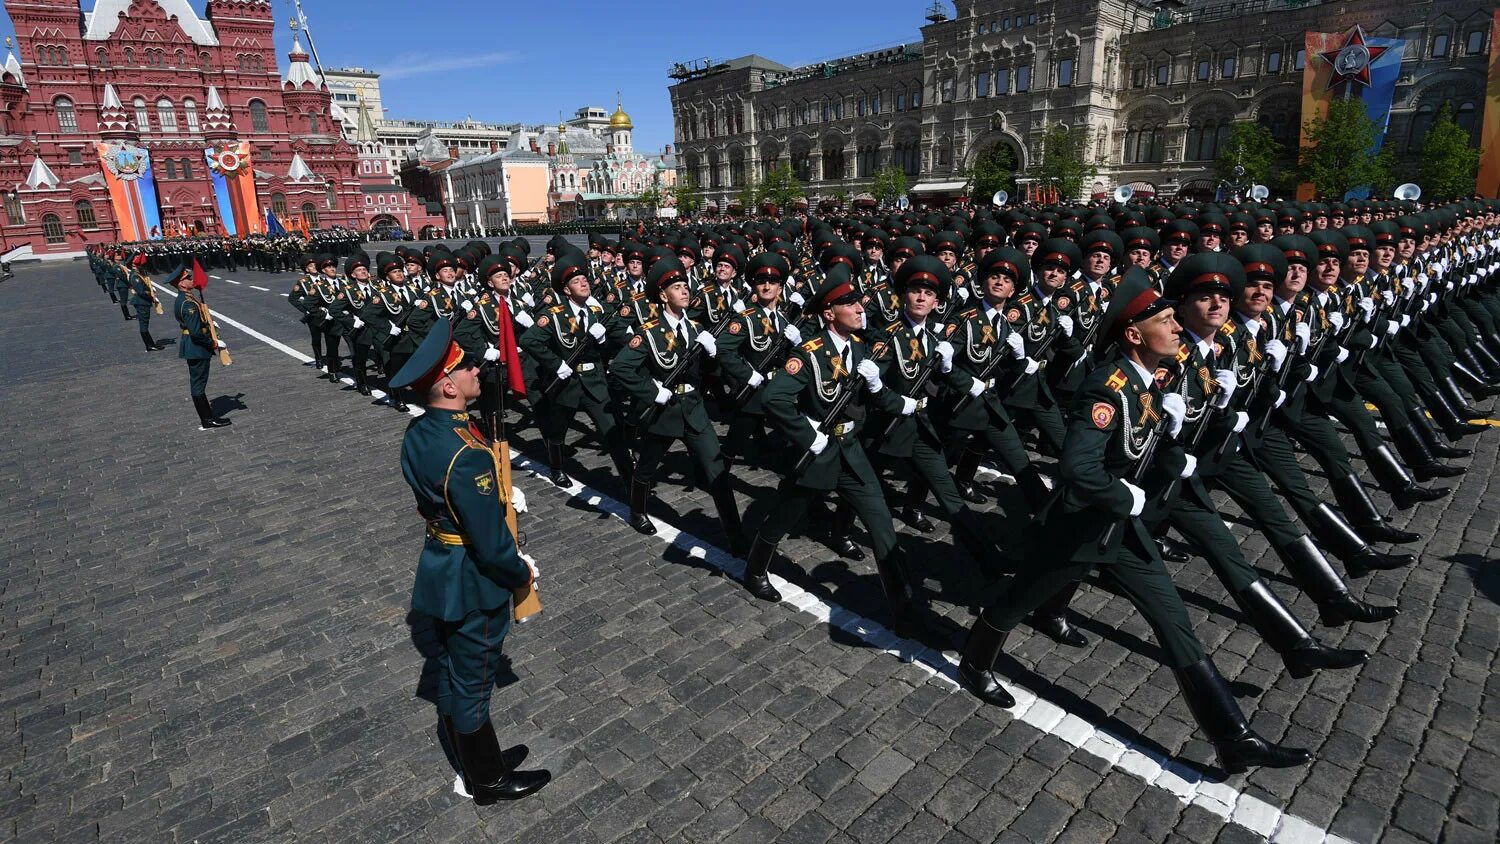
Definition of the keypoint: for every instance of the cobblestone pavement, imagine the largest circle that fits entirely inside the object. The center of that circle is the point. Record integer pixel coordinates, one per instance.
(204, 637)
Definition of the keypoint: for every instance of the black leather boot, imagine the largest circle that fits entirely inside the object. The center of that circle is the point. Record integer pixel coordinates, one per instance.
(757, 564)
(839, 529)
(1218, 714)
(917, 520)
(1357, 555)
(1355, 500)
(1173, 551)
(1317, 579)
(895, 583)
(511, 758)
(149, 341)
(1472, 382)
(1443, 417)
(555, 465)
(125, 311)
(485, 771)
(1033, 489)
(911, 507)
(1461, 407)
(1394, 479)
(976, 671)
(640, 499)
(1415, 454)
(206, 418)
(1051, 618)
(1486, 360)
(973, 539)
(1300, 652)
(963, 474)
(729, 514)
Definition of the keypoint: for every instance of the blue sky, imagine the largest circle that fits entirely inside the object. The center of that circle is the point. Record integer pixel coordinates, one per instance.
(508, 61)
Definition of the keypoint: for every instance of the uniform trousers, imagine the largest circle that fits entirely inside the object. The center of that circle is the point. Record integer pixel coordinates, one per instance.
(468, 660)
(198, 376)
(860, 490)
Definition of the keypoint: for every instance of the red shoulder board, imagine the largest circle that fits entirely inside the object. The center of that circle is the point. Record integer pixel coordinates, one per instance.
(1117, 381)
(1103, 413)
(1184, 352)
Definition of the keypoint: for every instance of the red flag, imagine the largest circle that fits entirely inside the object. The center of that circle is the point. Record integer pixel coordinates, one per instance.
(508, 351)
(200, 278)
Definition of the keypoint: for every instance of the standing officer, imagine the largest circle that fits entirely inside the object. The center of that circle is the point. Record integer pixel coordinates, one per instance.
(196, 345)
(469, 565)
(143, 299)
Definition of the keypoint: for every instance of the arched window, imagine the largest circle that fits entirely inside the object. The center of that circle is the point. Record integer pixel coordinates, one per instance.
(332, 200)
(85, 212)
(312, 123)
(180, 59)
(310, 215)
(129, 57)
(142, 116)
(52, 229)
(258, 121)
(1420, 123)
(166, 115)
(187, 168)
(1464, 117)
(101, 57)
(190, 114)
(278, 205)
(15, 215)
(67, 119)
(171, 168)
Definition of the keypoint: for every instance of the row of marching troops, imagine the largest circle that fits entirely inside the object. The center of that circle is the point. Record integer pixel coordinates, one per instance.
(265, 253)
(1158, 354)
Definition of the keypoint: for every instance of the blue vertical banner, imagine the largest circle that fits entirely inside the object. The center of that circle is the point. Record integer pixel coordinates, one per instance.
(1366, 68)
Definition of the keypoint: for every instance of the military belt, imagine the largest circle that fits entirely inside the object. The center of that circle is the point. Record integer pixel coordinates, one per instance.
(683, 389)
(443, 536)
(841, 430)
(586, 367)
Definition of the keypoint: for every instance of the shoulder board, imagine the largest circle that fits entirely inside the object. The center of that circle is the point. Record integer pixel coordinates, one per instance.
(893, 327)
(1184, 351)
(856, 338)
(813, 345)
(970, 313)
(649, 324)
(749, 312)
(468, 437)
(1024, 298)
(1080, 285)
(1228, 327)
(1117, 380)
(555, 309)
(638, 295)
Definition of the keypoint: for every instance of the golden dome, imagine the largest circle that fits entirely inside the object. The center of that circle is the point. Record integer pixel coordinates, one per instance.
(619, 120)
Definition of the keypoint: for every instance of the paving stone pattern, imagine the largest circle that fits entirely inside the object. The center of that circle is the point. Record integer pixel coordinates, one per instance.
(204, 636)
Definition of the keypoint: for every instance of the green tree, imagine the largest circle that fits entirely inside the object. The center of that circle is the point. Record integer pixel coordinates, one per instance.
(1065, 163)
(782, 185)
(749, 194)
(687, 196)
(1337, 157)
(1253, 147)
(890, 183)
(993, 170)
(1449, 164)
(650, 198)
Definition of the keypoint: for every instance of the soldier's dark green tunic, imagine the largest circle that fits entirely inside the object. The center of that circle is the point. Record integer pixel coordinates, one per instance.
(195, 345)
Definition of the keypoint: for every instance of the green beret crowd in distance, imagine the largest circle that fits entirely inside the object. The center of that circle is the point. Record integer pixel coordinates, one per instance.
(1121, 361)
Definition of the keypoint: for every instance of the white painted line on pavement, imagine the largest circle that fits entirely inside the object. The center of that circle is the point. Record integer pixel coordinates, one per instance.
(1187, 784)
(258, 287)
(231, 281)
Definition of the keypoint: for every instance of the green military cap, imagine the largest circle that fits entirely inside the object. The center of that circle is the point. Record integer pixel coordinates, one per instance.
(924, 271)
(1066, 229)
(1411, 226)
(873, 238)
(1357, 237)
(567, 267)
(1180, 230)
(687, 245)
(1008, 261)
(987, 233)
(768, 266)
(1103, 240)
(308, 259)
(1241, 221)
(556, 242)
(1141, 237)
(387, 261)
(1296, 249)
(171, 277)
(358, 259)
(1029, 231)
(665, 272)
(492, 264)
(1262, 262)
(523, 244)
(835, 288)
(1205, 272)
(437, 356)
(1134, 300)
(440, 258)
(905, 246)
(1386, 232)
(731, 255)
(950, 240)
(325, 261)
(1059, 252)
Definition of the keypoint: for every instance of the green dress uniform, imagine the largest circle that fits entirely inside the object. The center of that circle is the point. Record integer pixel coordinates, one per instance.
(673, 407)
(196, 346)
(749, 352)
(1113, 425)
(330, 314)
(366, 316)
(304, 297)
(143, 299)
(466, 573)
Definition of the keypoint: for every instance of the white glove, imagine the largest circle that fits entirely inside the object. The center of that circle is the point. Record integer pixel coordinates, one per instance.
(1189, 467)
(976, 387)
(1137, 498)
(797, 299)
(1032, 367)
(1336, 319)
(1423, 279)
(1280, 398)
(871, 373)
(219, 344)
(395, 329)
(820, 442)
(1389, 296)
(1228, 383)
(756, 379)
(908, 405)
(1343, 355)
(359, 323)
(1176, 409)
(466, 305)
(963, 294)
(531, 564)
(1405, 320)
(706, 340)
(945, 351)
(1066, 324)
(492, 354)
(1017, 345)
(528, 301)
(1304, 336)
(1276, 350)
(792, 335)
(597, 331)
(564, 372)
(663, 395)
(1312, 372)
(524, 319)
(518, 499)
(1241, 419)
(1367, 306)
(1392, 326)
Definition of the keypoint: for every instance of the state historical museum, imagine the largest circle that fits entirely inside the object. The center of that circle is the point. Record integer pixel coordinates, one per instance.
(119, 124)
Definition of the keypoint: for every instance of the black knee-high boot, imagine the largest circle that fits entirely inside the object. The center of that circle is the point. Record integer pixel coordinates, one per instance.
(149, 341)
(1216, 711)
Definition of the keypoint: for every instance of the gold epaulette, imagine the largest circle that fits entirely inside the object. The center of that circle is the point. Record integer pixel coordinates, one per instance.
(1228, 328)
(556, 309)
(1117, 380)
(972, 312)
(649, 324)
(813, 345)
(893, 327)
(1184, 351)
(468, 437)
(749, 312)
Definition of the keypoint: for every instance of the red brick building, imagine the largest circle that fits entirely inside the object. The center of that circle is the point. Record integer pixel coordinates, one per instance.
(152, 73)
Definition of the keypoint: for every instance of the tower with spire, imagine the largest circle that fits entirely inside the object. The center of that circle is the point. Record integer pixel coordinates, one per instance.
(620, 129)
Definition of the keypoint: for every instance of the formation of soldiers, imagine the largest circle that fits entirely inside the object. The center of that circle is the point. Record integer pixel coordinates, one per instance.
(266, 253)
(1156, 353)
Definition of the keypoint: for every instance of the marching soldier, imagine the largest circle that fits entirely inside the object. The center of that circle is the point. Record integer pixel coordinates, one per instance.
(143, 299)
(749, 353)
(398, 299)
(304, 297)
(366, 314)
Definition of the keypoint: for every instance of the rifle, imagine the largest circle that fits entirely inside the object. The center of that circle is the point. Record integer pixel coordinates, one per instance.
(525, 603)
(916, 389)
(213, 332)
(771, 353)
(999, 358)
(838, 408)
(650, 414)
(1142, 466)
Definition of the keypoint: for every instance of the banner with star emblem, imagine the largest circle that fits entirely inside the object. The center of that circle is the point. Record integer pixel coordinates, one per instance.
(1489, 138)
(1350, 65)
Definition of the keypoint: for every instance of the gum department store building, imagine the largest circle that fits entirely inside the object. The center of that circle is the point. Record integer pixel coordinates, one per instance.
(1157, 86)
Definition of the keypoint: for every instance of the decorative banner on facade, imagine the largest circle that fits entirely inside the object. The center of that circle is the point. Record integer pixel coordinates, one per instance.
(234, 188)
(132, 190)
(1350, 64)
(1489, 137)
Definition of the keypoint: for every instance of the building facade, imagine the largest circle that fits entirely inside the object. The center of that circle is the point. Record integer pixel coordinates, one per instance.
(155, 74)
(1155, 87)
